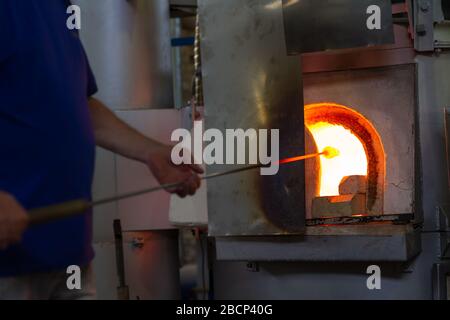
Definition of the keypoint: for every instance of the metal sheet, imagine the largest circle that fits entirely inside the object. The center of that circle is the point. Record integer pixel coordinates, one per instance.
(402, 52)
(313, 25)
(250, 82)
(328, 280)
(433, 75)
(393, 247)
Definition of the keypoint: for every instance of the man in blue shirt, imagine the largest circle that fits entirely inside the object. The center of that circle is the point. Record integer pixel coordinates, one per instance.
(49, 126)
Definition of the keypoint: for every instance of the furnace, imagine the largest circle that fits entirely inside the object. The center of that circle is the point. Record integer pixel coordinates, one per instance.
(316, 73)
(361, 101)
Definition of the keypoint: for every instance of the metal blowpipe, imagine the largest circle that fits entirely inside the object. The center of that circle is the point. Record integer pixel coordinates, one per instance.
(76, 207)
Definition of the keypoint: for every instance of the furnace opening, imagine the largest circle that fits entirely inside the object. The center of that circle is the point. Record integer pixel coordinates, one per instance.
(352, 159)
(354, 179)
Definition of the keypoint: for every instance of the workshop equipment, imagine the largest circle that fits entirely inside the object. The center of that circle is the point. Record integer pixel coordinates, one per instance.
(314, 232)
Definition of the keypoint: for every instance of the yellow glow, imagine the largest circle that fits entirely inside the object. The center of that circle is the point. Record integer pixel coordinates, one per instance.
(352, 159)
(330, 152)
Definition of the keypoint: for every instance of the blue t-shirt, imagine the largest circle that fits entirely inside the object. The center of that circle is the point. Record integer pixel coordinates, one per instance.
(47, 144)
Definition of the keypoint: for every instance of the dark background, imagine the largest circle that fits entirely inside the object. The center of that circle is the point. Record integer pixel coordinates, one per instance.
(446, 8)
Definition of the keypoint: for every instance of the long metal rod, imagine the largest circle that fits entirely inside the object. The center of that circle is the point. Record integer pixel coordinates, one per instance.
(170, 186)
(72, 208)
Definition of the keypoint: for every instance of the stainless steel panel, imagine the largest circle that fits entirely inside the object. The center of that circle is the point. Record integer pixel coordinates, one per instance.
(363, 58)
(128, 43)
(249, 82)
(400, 246)
(328, 280)
(313, 25)
(432, 82)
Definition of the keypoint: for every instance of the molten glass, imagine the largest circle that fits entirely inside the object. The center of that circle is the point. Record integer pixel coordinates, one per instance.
(330, 152)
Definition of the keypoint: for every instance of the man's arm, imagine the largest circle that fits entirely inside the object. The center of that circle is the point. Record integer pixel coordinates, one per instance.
(115, 135)
(13, 220)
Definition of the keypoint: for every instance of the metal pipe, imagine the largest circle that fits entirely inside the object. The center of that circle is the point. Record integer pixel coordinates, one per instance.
(72, 208)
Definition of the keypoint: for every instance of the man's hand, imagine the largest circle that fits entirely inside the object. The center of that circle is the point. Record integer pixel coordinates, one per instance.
(13, 220)
(160, 163)
(115, 135)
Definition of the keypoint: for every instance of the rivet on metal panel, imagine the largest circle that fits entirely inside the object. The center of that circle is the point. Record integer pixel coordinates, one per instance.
(137, 243)
(252, 266)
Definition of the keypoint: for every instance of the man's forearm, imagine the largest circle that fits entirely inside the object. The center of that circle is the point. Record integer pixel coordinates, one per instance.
(115, 135)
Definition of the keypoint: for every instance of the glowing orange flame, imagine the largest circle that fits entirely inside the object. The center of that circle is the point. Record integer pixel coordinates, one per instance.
(352, 159)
